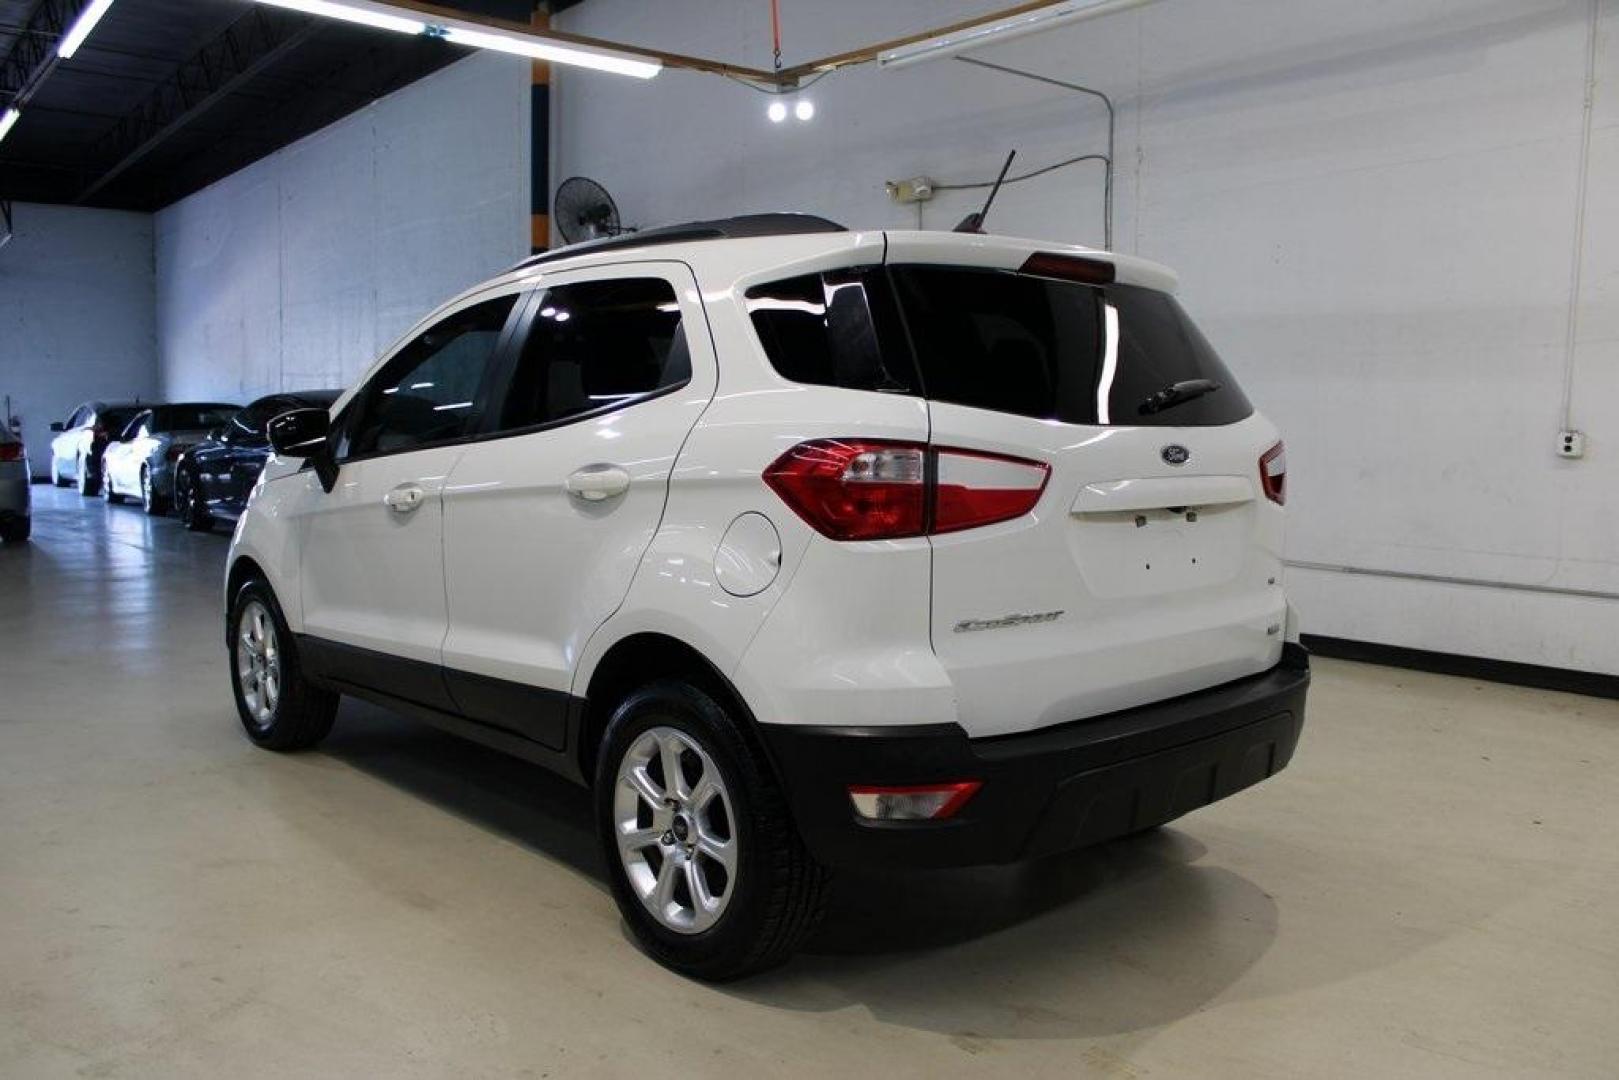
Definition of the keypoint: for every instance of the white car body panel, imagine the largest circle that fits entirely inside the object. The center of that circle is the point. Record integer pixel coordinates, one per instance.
(540, 587)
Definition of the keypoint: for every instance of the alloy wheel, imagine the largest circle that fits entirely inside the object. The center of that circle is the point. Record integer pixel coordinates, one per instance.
(258, 662)
(675, 830)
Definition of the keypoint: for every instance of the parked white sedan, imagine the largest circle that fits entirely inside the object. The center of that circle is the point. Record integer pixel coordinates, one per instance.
(140, 464)
(15, 519)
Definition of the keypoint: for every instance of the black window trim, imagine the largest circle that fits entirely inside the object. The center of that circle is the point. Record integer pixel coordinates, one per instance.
(507, 354)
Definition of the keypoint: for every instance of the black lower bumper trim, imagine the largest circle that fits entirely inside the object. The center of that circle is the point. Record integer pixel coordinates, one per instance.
(1046, 791)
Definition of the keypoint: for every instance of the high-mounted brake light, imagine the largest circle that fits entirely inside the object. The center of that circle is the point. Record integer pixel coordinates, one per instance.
(916, 802)
(1069, 268)
(1273, 474)
(860, 489)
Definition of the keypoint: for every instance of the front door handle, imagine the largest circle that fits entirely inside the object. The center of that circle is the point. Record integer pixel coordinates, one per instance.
(404, 498)
(598, 483)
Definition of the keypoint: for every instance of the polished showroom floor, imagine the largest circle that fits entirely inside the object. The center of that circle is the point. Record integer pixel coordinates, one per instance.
(1431, 890)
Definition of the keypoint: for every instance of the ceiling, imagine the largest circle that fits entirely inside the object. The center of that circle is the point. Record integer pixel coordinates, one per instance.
(168, 96)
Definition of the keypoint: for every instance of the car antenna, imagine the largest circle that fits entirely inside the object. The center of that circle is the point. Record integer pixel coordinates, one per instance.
(974, 223)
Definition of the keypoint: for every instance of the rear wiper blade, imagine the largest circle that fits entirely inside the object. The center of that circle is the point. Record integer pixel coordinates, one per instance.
(1176, 393)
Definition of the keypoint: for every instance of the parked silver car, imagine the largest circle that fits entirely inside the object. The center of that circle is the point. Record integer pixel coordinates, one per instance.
(15, 519)
(140, 463)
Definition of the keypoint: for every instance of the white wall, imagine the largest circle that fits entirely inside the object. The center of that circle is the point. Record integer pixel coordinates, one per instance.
(76, 316)
(1372, 209)
(295, 272)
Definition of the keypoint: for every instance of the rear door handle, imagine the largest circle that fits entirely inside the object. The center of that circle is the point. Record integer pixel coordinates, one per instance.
(404, 498)
(598, 483)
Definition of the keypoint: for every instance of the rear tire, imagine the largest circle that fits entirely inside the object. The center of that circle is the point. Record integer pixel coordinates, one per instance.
(278, 707)
(16, 530)
(89, 486)
(756, 912)
(188, 505)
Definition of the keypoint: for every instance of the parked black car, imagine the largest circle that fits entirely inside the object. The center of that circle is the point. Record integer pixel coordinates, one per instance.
(213, 478)
(76, 450)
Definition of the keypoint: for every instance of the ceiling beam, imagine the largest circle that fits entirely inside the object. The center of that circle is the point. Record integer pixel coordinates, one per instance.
(33, 54)
(220, 68)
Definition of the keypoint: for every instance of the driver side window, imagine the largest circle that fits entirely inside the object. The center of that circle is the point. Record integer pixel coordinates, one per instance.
(433, 390)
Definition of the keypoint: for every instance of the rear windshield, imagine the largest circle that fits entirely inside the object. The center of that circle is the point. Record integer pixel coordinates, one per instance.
(190, 417)
(1003, 341)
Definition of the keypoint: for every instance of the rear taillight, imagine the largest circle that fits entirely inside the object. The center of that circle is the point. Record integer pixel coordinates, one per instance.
(918, 802)
(861, 489)
(173, 453)
(1273, 474)
(10, 451)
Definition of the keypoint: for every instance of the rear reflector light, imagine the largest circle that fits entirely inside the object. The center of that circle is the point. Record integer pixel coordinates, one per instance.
(855, 489)
(921, 802)
(10, 451)
(1068, 268)
(1273, 474)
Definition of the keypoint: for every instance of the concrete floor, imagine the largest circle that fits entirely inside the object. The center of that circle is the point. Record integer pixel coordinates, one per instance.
(1431, 890)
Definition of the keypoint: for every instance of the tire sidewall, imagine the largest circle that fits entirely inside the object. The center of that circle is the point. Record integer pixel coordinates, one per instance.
(257, 590)
(698, 716)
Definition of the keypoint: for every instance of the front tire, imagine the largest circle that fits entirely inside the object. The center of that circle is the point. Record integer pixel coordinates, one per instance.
(108, 495)
(151, 501)
(57, 479)
(702, 855)
(278, 707)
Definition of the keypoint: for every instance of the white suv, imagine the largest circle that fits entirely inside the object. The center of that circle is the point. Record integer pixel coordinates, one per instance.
(803, 547)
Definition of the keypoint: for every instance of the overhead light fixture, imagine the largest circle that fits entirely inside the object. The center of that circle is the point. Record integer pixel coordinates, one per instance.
(805, 109)
(353, 13)
(993, 33)
(8, 120)
(81, 28)
(386, 17)
(777, 111)
(535, 49)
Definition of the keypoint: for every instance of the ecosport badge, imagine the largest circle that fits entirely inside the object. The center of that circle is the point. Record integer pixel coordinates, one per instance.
(967, 626)
(1175, 454)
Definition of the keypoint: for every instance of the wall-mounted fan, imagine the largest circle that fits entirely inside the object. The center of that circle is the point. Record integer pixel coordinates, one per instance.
(584, 211)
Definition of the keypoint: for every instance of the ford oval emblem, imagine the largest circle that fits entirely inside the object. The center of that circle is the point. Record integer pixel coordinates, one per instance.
(1175, 454)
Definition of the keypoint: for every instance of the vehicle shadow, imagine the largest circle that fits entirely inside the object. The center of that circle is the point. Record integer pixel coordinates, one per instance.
(1117, 938)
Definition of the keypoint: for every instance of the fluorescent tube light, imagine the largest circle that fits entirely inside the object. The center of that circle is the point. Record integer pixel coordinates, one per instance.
(81, 28)
(534, 48)
(8, 120)
(365, 16)
(993, 33)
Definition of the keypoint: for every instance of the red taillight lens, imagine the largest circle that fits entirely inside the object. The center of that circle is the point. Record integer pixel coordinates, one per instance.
(919, 802)
(1273, 474)
(173, 453)
(852, 489)
(10, 451)
(976, 489)
(859, 489)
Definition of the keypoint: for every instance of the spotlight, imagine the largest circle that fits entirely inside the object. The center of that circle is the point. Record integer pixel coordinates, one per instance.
(804, 110)
(777, 112)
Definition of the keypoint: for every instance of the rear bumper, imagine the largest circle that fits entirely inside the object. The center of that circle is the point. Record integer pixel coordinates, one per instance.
(1045, 791)
(14, 493)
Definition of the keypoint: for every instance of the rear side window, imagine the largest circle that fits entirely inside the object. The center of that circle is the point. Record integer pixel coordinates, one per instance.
(999, 340)
(833, 329)
(597, 345)
(115, 420)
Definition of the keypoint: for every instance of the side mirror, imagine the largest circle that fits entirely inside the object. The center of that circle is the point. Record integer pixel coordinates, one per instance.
(57, 425)
(302, 433)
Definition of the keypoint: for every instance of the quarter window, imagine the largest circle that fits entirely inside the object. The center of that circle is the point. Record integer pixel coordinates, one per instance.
(432, 391)
(597, 345)
(833, 329)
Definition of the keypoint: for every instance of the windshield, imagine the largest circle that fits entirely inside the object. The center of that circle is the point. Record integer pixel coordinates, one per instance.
(191, 417)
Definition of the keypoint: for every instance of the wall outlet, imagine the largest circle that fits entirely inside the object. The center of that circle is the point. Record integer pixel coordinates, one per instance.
(1571, 444)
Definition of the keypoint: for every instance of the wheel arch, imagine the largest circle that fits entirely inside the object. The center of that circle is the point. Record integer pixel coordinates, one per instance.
(642, 658)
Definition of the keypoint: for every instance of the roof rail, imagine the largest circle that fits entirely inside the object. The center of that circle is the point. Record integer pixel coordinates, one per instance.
(731, 228)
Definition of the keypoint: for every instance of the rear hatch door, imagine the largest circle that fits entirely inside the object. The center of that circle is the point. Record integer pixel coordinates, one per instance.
(1150, 566)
